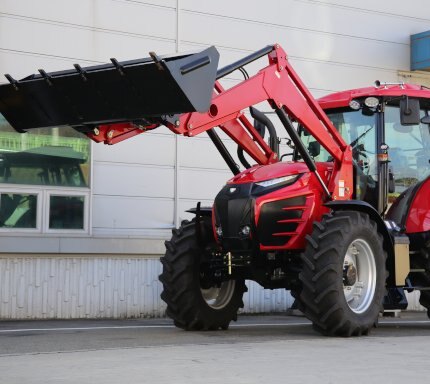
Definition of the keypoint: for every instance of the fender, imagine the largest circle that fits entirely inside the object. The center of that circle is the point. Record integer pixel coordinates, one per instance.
(202, 211)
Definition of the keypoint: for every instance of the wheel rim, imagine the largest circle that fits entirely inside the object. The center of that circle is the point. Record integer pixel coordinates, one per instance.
(219, 297)
(359, 276)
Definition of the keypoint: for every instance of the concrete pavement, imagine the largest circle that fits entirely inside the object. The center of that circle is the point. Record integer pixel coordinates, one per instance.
(255, 350)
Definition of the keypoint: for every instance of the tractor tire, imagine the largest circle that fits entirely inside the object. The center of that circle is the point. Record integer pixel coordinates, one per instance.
(343, 274)
(191, 303)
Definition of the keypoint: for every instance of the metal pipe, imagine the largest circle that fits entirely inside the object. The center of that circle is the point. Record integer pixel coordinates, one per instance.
(244, 61)
(241, 157)
(223, 151)
(263, 119)
(382, 166)
(300, 147)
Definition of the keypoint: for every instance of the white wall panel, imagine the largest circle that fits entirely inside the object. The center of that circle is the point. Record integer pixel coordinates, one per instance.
(393, 8)
(298, 43)
(317, 17)
(199, 151)
(136, 17)
(96, 287)
(84, 12)
(133, 180)
(195, 183)
(126, 215)
(147, 148)
(75, 42)
(129, 17)
(66, 11)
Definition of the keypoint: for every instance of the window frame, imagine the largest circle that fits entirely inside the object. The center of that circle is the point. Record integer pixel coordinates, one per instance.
(68, 192)
(43, 206)
(6, 189)
(44, 192)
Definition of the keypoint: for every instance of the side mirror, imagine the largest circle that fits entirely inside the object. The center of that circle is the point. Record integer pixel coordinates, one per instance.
(391, 182)
(409, 111)
(314, 148)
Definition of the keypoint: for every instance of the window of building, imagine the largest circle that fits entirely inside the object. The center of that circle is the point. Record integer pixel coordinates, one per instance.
(44, 179)
(66, 212)
(18, 210)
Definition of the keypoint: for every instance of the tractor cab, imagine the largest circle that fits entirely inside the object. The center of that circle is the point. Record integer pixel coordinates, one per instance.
(389, 132)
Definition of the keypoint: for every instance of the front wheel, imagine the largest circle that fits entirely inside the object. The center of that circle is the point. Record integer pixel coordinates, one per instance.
(195, 299)
(343, 275)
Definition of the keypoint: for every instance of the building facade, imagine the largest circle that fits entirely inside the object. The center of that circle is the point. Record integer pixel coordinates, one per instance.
(82, 225)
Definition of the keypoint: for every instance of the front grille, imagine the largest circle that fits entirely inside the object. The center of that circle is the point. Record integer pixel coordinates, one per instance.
(279, 220)
(233, 208)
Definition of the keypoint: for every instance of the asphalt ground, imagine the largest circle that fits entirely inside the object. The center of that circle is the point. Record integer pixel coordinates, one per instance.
(254, 350)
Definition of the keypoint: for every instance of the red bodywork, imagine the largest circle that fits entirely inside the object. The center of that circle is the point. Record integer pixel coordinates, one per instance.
(418, 219)
(306, 186)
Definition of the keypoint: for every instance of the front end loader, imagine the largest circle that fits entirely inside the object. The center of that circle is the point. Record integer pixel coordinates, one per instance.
(344, 224)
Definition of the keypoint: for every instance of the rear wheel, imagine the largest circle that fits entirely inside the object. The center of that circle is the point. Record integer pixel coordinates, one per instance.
(343, 275)
(195, 299)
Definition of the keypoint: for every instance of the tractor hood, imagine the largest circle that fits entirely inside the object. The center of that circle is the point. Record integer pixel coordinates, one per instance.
(262, 173)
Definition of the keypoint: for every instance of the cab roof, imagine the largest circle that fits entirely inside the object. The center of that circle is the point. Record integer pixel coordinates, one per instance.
(342, 99)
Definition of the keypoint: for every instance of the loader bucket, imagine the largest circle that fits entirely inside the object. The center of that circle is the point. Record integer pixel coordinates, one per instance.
(137, 90)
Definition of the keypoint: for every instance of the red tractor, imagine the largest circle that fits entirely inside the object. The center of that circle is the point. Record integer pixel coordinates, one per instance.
(345, 225)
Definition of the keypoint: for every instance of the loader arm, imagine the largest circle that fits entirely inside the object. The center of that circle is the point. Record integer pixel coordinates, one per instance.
(112, 103)
(278, 84)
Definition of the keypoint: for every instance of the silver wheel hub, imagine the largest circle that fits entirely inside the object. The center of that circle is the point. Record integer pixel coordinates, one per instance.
(359, 276)
(219, 297)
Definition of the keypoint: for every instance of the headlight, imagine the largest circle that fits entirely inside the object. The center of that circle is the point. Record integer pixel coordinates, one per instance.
(355, 105)
(371, 102)
(285, 179)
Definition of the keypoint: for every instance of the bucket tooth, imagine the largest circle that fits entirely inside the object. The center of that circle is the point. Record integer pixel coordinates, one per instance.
(118, 66)
(81, 72)
(157, 60)
(12, 81)
(46, 77)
